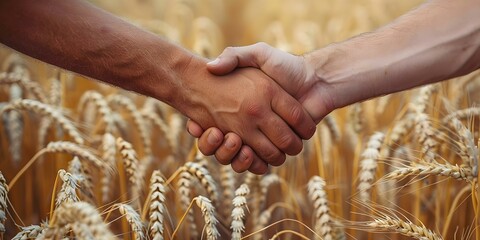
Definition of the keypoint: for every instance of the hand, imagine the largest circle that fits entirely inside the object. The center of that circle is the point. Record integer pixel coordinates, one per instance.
(293, 73)
(250, 104)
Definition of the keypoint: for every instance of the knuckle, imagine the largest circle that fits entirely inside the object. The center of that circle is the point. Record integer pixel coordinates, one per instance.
(279, 162)
(254, 110)
(270, 155)
(287, 141)
(297, 116)
(229, 50)
(262, 45)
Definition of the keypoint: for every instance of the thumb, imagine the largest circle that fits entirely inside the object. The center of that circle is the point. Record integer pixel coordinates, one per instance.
(234, 57)
(194, 128)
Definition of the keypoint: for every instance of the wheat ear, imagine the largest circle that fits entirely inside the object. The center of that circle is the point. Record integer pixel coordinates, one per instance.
(83, 178)
(368, 165)
(316, 191)
(238, 212)
(184, 185)
(138, 120)
(405, 228)
(462, 114)
(102, 106)
(424, 129)
(109, 150)
(332, 126)
(227, 182)
(133, 219)
(204, 177)
(468, 149)
(130, 161)
(28, 86)
(434, 168)
(48, 111)
(208, 212)
(67, 193)
(157, 205)
(82, 218)
(29, 232)
(3, 203)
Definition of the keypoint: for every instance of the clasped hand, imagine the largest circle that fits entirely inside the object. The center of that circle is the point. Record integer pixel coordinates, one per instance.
(279, 128)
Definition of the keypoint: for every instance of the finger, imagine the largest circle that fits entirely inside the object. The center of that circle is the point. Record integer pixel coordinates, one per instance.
(229, 148)
(244, 159)
(258, 167)
(194, 129)
(282, 136)
(264, 148)
(232, 57)
(292, 112)
(210, 141)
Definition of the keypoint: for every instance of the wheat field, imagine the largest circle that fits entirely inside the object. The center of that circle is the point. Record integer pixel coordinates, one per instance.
(83, 160)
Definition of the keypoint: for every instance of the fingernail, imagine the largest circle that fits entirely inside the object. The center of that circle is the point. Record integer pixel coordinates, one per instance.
(229, 143)
(214, 62)
(244, 156)
(213, 138)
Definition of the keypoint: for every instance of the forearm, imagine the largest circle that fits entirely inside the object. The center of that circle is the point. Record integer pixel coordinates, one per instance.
(82, 38)
(437, 41)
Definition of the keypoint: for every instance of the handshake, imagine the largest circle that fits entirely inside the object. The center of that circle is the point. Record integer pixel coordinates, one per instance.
(282, 107)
